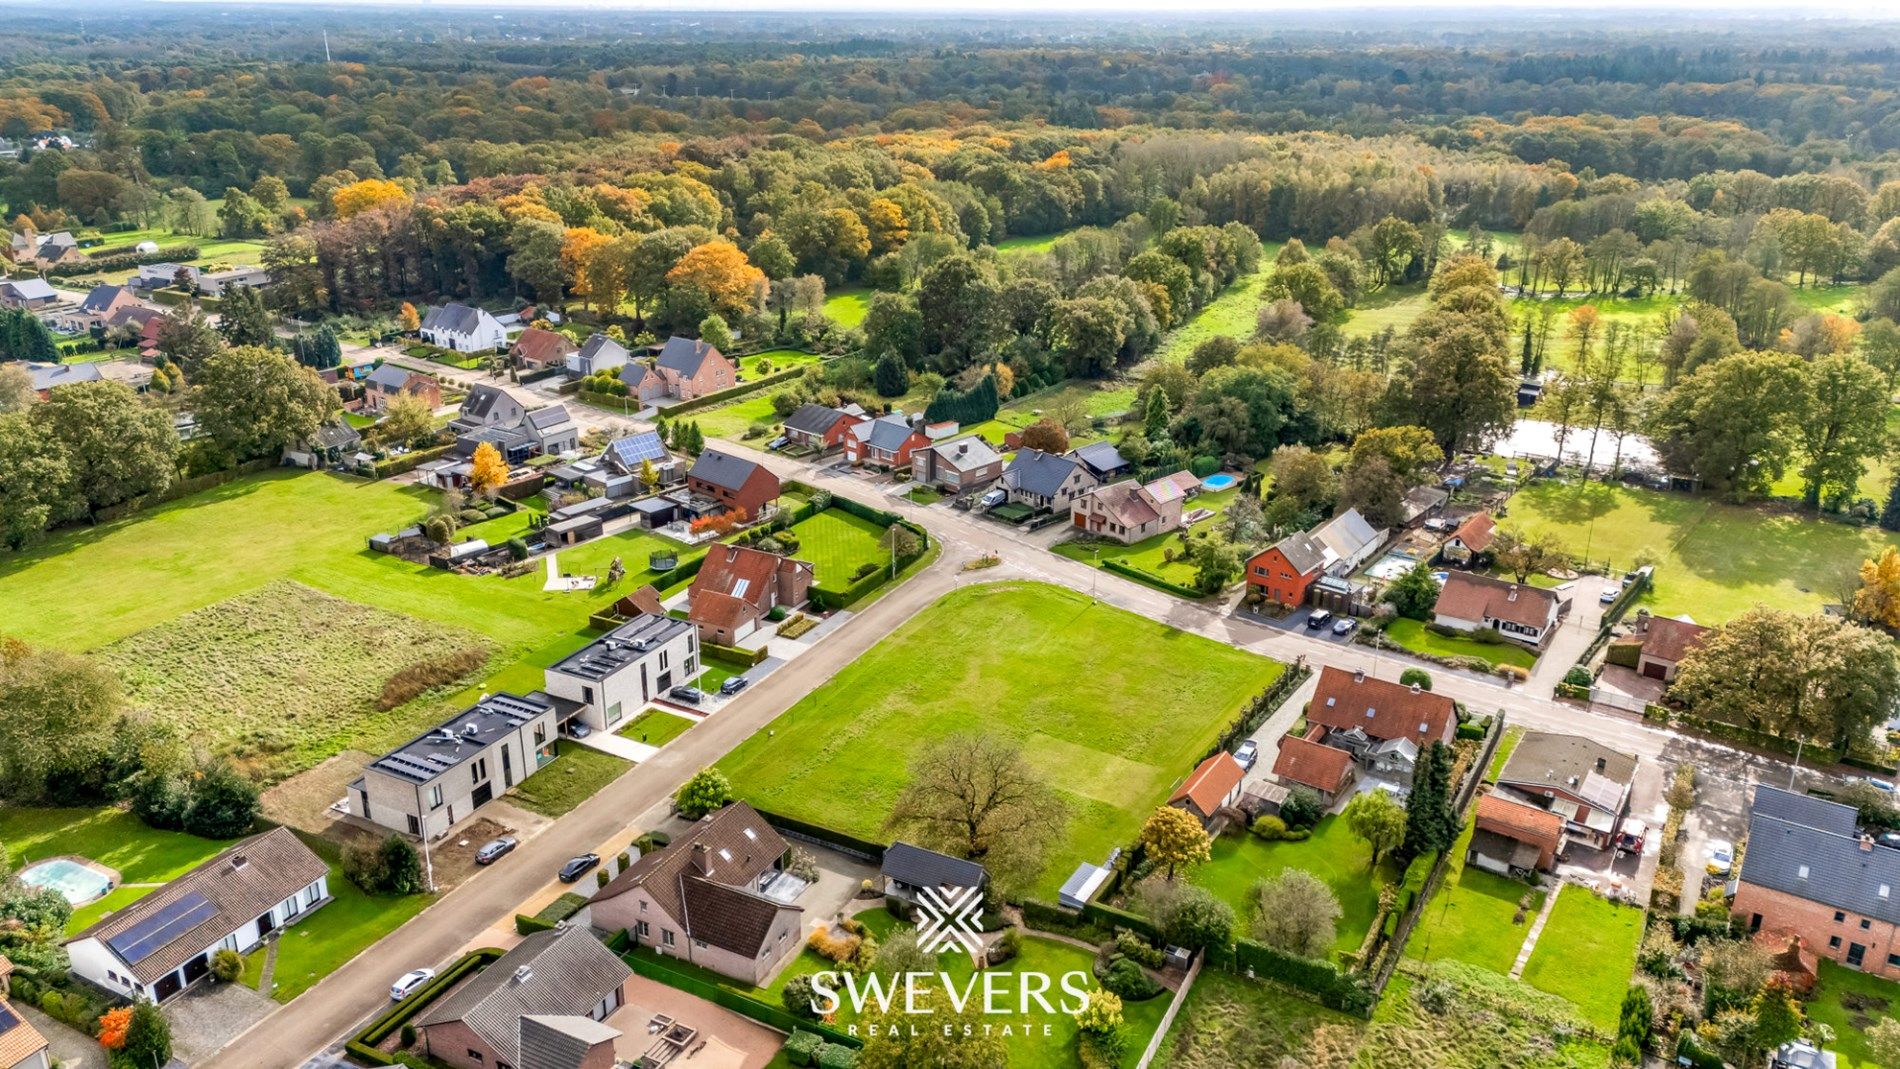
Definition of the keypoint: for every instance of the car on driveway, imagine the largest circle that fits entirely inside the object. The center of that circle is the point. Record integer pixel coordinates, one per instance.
(495, 850)
(1344, 625)
(733, 685)
(1721, 857)
(577, 867)
(1320, 618)
(689, 695)
(407, 983)
(1247, 754)
(1875, 782)
(578, 730)
(1609, 595)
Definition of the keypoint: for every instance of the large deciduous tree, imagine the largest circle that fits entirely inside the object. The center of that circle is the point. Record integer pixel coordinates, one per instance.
(976, 796)
(1297, 913)
(1734, 423)
(1377, 820)
(117, 446)
(256, 402)
(1793, 676)
(1174, 838)
(1841, 425)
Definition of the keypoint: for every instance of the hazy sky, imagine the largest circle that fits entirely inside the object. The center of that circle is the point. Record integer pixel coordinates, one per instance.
(1742, 8)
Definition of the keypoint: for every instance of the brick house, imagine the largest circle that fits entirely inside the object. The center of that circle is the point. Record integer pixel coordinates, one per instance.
(1810, 871)
(957, 465)
(1128, 511)
(21, 1045)
(1665, 643)
(1212, 786)
(539, 349)
(738, 485)
(885, 442)
(28, 293)
(1304, 761)
(1514, 838)
(1581, 780)
(701, 898)
(738, 587)
(1045, 480)
(389, 382)
(560, 973)
(683, 369)
(819, 427)
(1285, 571)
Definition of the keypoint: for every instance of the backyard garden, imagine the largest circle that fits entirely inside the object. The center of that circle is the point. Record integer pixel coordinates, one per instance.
(1333, 853)
(1163, 556)
(1080, 682)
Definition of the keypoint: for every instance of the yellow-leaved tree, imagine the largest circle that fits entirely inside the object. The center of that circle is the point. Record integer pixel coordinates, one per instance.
(1878, 598)
(486, 470)
(359, 197)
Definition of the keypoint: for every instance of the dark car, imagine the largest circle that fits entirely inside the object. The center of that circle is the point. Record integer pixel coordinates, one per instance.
(1318, 620)
(689, 695)
(733, 685)
(579, 730)
(578, 867)
(492, 852)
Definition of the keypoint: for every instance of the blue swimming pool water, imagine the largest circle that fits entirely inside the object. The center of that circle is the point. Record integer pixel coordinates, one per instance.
(75, 881)
(1219, 481)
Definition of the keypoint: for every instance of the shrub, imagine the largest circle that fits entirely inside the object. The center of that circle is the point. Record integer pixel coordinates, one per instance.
(867, 568)
(801, 1047)
(470, 516)
(833, 946)
(517, 549)
(836, 1056)
(1131, 944)
(424, 675)
(1006, 947)
(706, 791)
(1125, 978)
(1203, 466)
(797, 995)
(1472, 730)
(1513, 673)
(1302, 808)
(408, 1035)
(223, 804)
(1578, 676)
(1270, 828)
(1416, 677)
(601, 878)
(227, 965)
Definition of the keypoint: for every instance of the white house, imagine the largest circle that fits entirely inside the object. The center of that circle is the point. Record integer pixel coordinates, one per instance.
(1517, 611)
(463, 329)
(429, 784)
(1347, 541)
(598, 353)
(163, 943)
(614, 676)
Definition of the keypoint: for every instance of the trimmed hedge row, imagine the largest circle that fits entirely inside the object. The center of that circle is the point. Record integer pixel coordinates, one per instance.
(849, 843)
(551, 915)
(410, 461)
(1327, 985)
(362, 1046)
(1111, 918)
(187, 487)
(119, 261)
(731, 393)
(735, 653)
(763, 1012)
(1151, 579)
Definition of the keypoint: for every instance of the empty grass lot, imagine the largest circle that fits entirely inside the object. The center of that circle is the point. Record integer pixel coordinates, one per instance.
(1586, 954)
(1235, 313)
(1714, 560)
(576, 774)
(1472, 916)
(838, 544)
(1412, 635)
(847, 307)
(1333, 854)
(1113, 710)
(656, 727)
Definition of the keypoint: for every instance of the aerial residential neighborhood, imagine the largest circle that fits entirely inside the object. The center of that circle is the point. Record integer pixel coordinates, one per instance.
(1060, 538)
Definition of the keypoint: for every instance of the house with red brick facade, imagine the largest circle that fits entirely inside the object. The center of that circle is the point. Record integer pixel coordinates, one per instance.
(820, 427)
(1130, 511)
(560, 973)
(1285, 571)
(1811, 871)
(738, 587)
(682, 370)
(389, 382)
(737, 485)
(885, 442)
(539, 349)
(1304, 761)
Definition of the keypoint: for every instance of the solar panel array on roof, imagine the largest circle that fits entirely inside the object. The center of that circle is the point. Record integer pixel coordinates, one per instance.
(633, 449)
(408, 766)
(167, 923)
(514, 708)
(8, 1022)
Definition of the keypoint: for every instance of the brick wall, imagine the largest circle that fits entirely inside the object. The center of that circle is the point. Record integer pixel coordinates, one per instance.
(1814, 922)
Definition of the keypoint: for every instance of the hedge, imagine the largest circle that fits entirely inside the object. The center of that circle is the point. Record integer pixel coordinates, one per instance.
(120, 261)
(408, 462)
(1153, 580)
(735, 653)
(1112, 918)
(1327, 985)
(362, 1046)
(552, 914)
(721, 396)
(763, 1012)
(187, 487)
(833, 837)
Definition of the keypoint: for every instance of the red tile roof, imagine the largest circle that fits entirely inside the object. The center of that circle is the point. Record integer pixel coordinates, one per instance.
(1344, 700)
(1669, 640)
(539, 346)
(1312, 764)
(1210, 783)
(1480, 597)
(1476, 532)
(1524, 823)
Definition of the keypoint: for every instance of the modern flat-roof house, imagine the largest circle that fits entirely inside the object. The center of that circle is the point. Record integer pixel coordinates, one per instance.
(388, 382)
(162, 944)
(1128, 511)
(956, 466)
(819, 427)
(557, 975)
(738, 587)
(21, 1045)
(737, 485)
(707, 898)
(908, 870)
(1810, 870)
(1514, 838)
(614, 676)
(538, 349)
(463, 329)
(241, 277)
(1045, 481)
(1383, 725)
(598, 353)
(1581, 780)
(435, 780)
(1212, 786)
(885, 442)
(1518, 611)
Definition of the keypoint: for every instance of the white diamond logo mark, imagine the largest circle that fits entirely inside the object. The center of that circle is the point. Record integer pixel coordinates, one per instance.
(952, 918)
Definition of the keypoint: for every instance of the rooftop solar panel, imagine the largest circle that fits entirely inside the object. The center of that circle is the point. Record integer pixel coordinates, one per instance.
(166, 923)
(8, 1022)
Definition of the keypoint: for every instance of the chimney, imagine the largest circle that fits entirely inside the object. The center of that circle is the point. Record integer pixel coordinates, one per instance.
(1602, 764)
(1512, 596)
(702, 859)
(1416, 688)
(1866, 844)
(239, 862)
(522, 975)
(1358, 675)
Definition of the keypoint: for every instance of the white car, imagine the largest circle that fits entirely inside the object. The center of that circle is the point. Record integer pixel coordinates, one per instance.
(1248, 753)
(1721, 857)
(407, 984)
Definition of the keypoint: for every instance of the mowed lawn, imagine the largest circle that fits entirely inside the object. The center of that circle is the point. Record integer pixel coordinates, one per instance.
(145, 857)
(1150, 554)
(656, 727)
(1113, 710)
(847, 307)
(318, 945)
(837, 544)
(1412, 635)
(1333, 853)
(1235, 313)
(1471, 917)
(1586, 953)
(1714, 560)
(1873, 999)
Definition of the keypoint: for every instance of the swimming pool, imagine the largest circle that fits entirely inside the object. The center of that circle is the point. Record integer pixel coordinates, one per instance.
(1220, 480)
(76, 882)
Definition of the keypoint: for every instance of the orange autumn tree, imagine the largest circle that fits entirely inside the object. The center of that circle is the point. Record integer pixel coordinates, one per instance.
(409, 318)
(720, 270)
(113, 1025)
(588, 257)
(486, 470)
(359, 197)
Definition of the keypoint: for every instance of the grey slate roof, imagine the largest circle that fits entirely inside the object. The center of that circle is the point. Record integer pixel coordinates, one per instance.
(813, 418)
(100, 298)
(1306, 555)
(338, 435)
(600, 344)
(919, 867)
(1102, 458)
(1036, 472)
(29, 289)
(389, 377)
(722, 469)
(888, 432)
(456, 318)
(568, 973)
(965, 454)
(49, 376)
(685, 355)
(241, 883)
(1809, 848)
(481, 399)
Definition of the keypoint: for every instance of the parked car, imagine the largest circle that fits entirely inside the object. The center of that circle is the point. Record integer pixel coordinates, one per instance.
(1609, 595)
(577, 867)
(1875, 782)
(777, 444)
(1721, 857)
(408, 982)
(494, 851)
(578, 730)
(1318, 619)
(1630, 838)
(689, 695)
(1247, 754)
(995, 498)
(733, 685)
(1344, 625)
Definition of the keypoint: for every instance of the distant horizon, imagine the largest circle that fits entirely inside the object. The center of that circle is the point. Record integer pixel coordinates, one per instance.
(1751, 10)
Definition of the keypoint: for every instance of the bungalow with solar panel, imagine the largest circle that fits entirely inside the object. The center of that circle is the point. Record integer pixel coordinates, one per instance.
(435, 780)
(163, 943)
